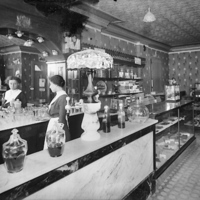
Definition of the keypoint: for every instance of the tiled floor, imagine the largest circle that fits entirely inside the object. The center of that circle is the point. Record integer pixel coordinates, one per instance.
(183, 182)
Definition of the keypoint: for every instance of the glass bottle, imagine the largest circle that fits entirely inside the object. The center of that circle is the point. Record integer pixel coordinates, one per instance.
(106, 120)
(14, 152)
(55, 140)
(121, 116)
(121, 73)
(127, 75)
(109, 73)
(131, 74)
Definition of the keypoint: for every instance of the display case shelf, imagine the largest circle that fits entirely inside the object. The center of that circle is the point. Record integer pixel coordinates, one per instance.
(166, 124)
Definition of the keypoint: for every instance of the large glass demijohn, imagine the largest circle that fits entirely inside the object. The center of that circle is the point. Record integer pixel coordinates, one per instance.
(137, 112)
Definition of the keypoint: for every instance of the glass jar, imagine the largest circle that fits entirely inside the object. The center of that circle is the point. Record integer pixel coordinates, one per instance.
(138, 112)
(55, 139)
(14, 152)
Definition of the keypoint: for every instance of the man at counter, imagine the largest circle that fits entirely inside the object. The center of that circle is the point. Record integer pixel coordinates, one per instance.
(57, 106)
(14, 93)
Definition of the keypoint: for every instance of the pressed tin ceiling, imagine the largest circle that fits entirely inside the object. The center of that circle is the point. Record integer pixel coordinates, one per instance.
(177, 21)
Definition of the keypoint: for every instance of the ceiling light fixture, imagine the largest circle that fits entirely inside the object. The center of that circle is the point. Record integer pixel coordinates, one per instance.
(9, 36)
(28, 43)
(19, 33)
(149, 17)
(54, 52)
(40, 39)
(45, 54)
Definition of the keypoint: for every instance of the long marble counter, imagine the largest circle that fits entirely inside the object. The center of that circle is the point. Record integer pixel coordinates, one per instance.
(162, 107)
(123, 157)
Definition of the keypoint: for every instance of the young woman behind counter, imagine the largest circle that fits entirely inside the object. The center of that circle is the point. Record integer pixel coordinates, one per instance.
(57, 106)
(14, 93)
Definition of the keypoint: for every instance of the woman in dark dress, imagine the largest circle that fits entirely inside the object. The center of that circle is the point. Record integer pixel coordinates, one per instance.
(57, 106)
(14, 93)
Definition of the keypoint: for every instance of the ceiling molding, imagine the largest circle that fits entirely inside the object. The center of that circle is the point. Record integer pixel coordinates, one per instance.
(188, 48)
(17, 49)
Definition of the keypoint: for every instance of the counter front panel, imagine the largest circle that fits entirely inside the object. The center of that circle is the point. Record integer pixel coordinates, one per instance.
(111, 177)
(123, 156)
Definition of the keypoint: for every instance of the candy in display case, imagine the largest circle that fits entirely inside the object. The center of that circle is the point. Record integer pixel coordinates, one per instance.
(172, 93)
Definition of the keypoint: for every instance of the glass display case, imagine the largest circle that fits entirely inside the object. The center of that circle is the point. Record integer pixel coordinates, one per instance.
(172, 93)
(174, 131)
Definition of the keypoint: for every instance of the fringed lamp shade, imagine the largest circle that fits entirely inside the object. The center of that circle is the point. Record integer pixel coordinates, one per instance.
(92, 59)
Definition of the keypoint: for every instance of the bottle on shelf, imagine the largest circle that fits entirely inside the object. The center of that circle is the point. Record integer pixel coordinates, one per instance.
(121, 116)
(121, 73)
(106, 120)
(131, 73)
(127, 74)
(109, 75)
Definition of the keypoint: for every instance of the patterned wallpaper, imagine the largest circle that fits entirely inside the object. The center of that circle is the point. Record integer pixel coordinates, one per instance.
(94, 37)
(184, 67)
(27, 76)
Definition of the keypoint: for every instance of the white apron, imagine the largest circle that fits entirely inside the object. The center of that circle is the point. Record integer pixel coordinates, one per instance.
(52, 120)
(10, 95)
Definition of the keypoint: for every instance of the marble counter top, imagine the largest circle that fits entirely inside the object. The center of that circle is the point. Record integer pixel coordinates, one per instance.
(41, 163)
(161, 107)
